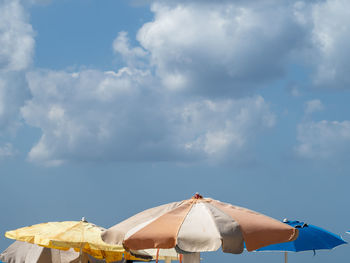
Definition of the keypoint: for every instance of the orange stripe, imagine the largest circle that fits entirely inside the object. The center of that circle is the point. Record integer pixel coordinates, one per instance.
(257, 229)
(162, 232)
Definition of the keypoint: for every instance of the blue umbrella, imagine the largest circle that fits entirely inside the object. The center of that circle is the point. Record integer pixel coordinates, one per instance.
(310, 238)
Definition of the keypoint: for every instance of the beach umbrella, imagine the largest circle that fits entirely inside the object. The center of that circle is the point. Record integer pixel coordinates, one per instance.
(23, 252)
(80, 235)
(310, 238)
(197, 225)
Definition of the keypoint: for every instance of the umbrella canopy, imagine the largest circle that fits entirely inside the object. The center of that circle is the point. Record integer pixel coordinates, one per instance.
(199, 224)
(22, 252)
(310, 238)
(80, 235)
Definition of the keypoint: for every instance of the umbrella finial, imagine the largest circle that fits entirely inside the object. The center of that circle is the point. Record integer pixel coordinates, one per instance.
(83, 219)
(197, 196)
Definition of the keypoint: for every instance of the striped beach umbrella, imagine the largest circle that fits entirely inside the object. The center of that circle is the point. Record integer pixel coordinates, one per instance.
(197, 225)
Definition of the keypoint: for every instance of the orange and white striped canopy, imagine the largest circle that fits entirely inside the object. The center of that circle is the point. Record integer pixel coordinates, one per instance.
(199, 224)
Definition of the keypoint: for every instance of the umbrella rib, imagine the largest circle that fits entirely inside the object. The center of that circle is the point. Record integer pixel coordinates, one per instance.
(68, 229)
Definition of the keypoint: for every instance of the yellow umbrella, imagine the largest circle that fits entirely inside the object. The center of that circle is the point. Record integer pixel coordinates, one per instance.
(80, 235)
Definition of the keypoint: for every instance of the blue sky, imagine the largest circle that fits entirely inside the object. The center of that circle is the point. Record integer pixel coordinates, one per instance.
(111, 107)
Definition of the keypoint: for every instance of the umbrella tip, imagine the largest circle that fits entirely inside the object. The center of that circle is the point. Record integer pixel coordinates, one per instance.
(83, 219)
(197, 196)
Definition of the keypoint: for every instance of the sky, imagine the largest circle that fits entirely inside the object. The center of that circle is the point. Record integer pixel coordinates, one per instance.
(110, 107)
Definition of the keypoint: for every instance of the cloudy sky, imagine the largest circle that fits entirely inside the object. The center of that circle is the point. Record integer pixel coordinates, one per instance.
(111, 107)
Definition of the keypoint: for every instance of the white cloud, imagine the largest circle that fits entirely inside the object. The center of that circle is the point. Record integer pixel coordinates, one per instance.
(231, 47)
(214, 54)
(118, 116)
(16, 51)
(221, 49)
(218, 129)
(326, 140)
(124, 116)
(312, 106)
(331, 37)
(206, 58)
(16, 37)
(132, 56)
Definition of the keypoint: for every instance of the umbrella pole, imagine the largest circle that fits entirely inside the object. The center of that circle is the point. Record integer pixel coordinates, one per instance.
(157, 255)
(192, 258)
(285, 257)
(81, 255)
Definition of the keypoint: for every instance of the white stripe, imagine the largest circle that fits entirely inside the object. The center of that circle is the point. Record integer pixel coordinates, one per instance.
(138, 227)
(198, 231)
